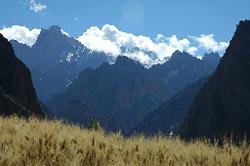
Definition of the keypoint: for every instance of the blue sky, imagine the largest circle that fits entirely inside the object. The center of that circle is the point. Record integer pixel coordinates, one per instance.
(147, 17)
(158, 26)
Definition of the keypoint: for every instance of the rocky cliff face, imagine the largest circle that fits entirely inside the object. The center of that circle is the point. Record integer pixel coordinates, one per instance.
(222, 107)
(17, 95)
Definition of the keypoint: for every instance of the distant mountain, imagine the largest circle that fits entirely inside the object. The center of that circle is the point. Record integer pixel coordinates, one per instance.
(222, 107)
(17, 95)
(119, 94)
(183, 69)
(123, 93)
(167, 117)
(55, 60)
(212, 58)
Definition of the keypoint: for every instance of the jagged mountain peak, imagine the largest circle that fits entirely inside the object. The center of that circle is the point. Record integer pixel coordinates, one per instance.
(179, 53)
(125, 61)
(54, 28)
(52, 34)
(211, 54)
(176, 53)
(240, 42)
(212, 58)
(56, 60)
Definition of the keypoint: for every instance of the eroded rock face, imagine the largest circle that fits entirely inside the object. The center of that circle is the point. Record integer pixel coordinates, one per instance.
(17, 95)
(222, 107)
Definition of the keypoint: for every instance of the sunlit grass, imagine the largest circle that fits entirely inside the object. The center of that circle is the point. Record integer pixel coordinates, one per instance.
(43, 142)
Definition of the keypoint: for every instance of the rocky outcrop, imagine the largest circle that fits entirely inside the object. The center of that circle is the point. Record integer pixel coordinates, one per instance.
(17, 95)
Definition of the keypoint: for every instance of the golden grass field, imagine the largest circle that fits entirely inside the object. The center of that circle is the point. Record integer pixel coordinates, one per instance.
(42, 142)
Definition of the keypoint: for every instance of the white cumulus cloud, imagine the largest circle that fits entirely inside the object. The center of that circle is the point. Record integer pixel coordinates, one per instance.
(208, 43)
(37, 7)
(113, 42)
(21, 34)
(192, 50)
(109, 39)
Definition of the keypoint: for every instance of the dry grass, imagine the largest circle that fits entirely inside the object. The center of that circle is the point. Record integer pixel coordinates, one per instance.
(35, 142)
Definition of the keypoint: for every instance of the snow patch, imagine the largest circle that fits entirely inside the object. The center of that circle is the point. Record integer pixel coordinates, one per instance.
(69, 57)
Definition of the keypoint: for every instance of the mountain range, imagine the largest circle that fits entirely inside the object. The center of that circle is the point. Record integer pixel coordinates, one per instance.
(184, 95)
(55, 60)
(121, 94)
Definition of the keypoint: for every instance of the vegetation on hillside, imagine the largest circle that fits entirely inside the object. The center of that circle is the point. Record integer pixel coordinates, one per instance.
(42, 142)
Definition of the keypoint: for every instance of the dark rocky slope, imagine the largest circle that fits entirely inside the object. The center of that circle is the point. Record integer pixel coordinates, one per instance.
(222, 107)
(17, 95)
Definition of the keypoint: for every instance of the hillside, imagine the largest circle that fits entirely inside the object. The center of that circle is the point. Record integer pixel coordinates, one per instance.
(35, 142)
(17, 95)
(222, 106)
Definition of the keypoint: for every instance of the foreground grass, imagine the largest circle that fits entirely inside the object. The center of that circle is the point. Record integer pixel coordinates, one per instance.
(34, 142)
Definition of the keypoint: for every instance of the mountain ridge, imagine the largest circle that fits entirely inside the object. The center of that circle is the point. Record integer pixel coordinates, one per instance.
(56, 59)
(120, 94)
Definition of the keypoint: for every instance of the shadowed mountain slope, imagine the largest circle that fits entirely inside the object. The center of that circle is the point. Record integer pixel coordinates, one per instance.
(17, 95)
(222, 107)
